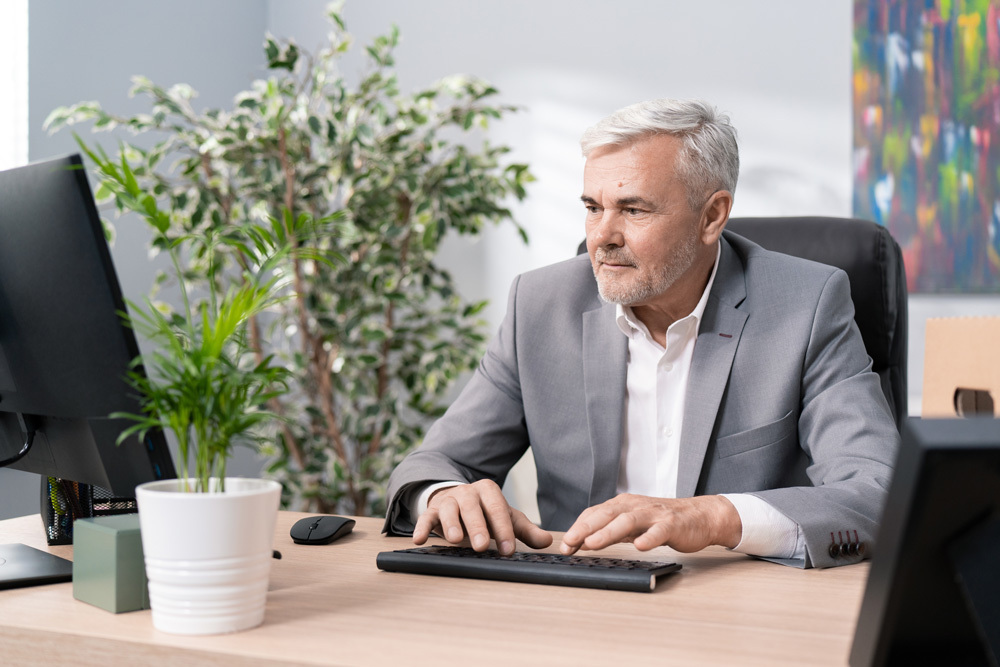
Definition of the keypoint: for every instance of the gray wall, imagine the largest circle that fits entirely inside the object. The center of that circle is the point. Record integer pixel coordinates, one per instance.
(781, 68)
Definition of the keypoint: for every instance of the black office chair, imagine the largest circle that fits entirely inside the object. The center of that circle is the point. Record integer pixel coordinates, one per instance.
(873, 263)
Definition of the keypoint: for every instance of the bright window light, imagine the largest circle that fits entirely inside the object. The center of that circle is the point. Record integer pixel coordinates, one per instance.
(13, 83)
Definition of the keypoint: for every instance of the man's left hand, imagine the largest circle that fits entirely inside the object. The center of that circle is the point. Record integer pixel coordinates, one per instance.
(684, 524)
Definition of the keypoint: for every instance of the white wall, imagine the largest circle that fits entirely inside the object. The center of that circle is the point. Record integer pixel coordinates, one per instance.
(781, 68)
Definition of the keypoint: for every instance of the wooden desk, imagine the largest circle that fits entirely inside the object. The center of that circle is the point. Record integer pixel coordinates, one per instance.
(331, 605)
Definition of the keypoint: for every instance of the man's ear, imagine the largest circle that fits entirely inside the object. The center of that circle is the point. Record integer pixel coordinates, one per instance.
(714, 216)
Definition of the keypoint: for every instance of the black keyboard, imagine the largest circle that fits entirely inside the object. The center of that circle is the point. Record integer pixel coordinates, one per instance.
(528, 567)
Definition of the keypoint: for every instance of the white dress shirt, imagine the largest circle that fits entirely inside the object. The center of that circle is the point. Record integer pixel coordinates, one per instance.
(656, 383)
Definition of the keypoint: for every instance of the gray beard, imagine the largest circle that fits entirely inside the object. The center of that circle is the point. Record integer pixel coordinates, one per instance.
(627, 293)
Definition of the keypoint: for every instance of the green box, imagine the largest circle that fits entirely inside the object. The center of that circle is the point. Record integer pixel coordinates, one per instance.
(108, 567)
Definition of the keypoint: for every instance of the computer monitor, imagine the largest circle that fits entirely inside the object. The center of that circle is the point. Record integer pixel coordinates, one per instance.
(933, 593)
(64, 348)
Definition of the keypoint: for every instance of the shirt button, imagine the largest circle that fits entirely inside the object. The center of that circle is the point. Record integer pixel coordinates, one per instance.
(668, 367)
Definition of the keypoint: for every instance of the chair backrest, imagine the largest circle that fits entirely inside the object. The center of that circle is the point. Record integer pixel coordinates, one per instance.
(873, 263)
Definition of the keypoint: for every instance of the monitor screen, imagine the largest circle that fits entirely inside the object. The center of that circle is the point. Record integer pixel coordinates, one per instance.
(64, 350)
(933, 593)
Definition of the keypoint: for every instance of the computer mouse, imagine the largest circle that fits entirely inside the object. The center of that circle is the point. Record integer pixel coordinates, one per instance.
(321, 529)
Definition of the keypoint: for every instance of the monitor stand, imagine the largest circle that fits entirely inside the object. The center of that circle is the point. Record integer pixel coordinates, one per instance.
(21, 565)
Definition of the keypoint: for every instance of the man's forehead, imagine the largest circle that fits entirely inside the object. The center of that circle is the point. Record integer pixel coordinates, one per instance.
(657, 153)
(628, 166)
(624, 169)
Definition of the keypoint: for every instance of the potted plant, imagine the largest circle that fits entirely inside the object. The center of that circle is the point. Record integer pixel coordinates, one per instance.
(360, 173)
(206, 539)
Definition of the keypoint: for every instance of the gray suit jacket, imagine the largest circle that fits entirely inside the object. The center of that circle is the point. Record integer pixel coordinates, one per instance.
(781, 401)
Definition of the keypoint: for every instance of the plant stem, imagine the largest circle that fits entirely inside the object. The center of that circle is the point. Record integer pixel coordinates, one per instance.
(275, 404)
(312, 346)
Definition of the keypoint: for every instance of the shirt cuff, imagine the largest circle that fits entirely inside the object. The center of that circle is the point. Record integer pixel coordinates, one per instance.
(424, 494)
(767, 533)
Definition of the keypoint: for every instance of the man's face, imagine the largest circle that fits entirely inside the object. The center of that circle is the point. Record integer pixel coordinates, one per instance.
(642, 236)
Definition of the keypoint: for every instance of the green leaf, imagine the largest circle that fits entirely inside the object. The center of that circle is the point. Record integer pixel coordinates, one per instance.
(475, 308)
(103, 192)
(373, 335)
(271, 50)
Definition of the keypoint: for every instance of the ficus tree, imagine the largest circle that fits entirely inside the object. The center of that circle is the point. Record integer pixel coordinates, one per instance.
(363, 182)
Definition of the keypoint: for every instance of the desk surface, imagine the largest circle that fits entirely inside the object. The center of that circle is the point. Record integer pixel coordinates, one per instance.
(331, 605)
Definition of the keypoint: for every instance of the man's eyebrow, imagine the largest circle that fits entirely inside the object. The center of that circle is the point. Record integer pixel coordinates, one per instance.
(624, 202)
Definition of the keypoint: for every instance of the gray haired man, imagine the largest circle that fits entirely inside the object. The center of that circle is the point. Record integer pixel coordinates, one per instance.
(683, 387)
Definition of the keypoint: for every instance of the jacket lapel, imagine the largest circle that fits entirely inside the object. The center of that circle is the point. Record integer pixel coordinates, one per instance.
(718, 338)
(605, 363)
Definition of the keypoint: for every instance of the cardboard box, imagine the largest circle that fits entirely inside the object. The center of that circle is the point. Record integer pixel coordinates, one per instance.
(108, 567)
(962, 367)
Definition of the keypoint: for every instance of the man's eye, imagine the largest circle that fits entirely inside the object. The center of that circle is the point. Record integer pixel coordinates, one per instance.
(633, 211)
(591, 209)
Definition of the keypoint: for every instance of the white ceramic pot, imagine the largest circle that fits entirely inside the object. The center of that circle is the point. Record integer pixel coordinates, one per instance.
(208, 555)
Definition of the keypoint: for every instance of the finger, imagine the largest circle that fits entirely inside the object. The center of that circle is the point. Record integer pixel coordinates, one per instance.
(498, 516)
(590, 520)
(573, 538)
(621, 528)
(427, 522)
(526, 531)
(450, 520)
(657, 535)
(475, 522)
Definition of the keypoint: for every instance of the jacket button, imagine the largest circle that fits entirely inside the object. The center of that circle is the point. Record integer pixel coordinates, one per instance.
(861, 548)
(835, 551)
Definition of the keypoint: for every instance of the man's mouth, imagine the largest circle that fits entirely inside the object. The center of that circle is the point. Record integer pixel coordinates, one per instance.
(612, 262)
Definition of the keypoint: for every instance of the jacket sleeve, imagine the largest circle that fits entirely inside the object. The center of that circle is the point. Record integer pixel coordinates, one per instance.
(481, 436)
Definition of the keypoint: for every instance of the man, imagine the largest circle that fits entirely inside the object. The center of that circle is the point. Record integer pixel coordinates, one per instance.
(684, 387)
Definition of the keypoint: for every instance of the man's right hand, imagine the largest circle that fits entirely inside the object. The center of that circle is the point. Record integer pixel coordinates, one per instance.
(479, 511)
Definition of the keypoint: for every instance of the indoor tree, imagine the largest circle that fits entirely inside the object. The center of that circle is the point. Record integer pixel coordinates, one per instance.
(363, 182)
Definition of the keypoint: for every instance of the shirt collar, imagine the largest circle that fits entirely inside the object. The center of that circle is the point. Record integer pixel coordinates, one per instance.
(630, 324)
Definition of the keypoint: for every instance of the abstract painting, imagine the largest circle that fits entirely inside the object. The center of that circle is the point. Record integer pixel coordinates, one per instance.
(926, 87)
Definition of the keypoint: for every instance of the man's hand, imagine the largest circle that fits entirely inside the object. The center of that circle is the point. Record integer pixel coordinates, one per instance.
(480, 510)
(685, 524)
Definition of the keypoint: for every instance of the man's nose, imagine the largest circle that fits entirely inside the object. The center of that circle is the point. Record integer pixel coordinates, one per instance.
(607, 231)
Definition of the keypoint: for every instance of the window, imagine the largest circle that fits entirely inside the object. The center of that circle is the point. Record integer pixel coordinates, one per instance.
(13, 83)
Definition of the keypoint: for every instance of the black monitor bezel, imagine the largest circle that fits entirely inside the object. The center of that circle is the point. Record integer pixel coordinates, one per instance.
(946, 487)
